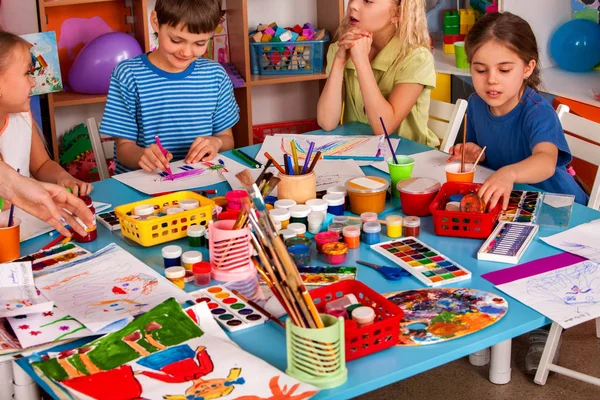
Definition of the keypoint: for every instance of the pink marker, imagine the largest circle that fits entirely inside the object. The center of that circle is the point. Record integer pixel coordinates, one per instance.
(164, 152)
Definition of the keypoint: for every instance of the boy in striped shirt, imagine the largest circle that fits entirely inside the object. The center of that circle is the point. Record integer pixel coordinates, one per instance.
(172, 92)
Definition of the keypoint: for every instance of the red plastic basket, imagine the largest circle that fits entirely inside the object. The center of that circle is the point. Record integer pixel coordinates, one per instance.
(380, 335)
(301, 126)
(461, 224)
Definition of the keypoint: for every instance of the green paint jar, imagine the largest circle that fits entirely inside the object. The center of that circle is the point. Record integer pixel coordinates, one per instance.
(197, 236)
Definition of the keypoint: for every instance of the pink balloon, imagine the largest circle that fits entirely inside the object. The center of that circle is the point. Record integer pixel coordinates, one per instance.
(93, 66)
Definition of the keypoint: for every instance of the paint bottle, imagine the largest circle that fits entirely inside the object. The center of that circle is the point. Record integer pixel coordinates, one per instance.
(196, 236)
(315, 222)
(352, 236)
(235, 198)
(323, 238)
(277, 225)
(394, 226)
(298, 228)
(191, 258)
(282, 215)
(412, 226)
(335, 203)
(189, 204)
(299, 214)
(287, 233)
(341, 190)
(318, 205)
(368, 217)
(91, 232)
(341, 303)
(341, 219)
(335, 253)
(171, 256)
(371, 232)
(299, 249)
(143, 210)
(284, 203)
(363, 316)
(202, 273)
(176, 275)
(174, 210)
(333, 227)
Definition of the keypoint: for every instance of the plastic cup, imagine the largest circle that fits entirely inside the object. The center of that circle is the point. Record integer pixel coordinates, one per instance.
(460, 55)
(400, 171)
(10, 246)
(453, 173)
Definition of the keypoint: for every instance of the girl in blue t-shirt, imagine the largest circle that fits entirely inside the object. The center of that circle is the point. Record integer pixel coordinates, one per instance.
(525, 141)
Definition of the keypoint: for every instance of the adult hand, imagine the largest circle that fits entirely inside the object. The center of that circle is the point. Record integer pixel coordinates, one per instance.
(497, 186)
(472, 151)
(153, 158)
(204, 148)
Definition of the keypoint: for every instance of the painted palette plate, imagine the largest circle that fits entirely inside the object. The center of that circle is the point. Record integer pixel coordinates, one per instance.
(522, 207)
(440, 314)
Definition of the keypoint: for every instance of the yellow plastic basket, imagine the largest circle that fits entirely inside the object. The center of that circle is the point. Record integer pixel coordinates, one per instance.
(165, 228)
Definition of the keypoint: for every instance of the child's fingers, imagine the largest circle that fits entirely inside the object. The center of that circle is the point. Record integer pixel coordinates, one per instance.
(169, 157)
(75, 188)
(145, 167)
(202, 153)
(494, 198)
(160, 161)
(195, 149)
(210, 155)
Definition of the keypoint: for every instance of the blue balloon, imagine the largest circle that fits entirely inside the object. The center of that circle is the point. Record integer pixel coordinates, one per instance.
(575, 46)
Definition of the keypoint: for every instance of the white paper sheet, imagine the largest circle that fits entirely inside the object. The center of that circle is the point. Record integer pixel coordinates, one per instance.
(110, 286)
(568, 296)
(382, 151)
(156, 182)
(17, 291)
(583, 240)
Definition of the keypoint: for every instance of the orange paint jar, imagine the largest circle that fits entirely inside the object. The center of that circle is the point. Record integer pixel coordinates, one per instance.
(367, 193)
(351, 236)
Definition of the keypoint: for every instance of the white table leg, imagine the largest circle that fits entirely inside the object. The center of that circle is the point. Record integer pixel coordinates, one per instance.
(500, 362)
(24, 387)
(6, 377)
(480, 358)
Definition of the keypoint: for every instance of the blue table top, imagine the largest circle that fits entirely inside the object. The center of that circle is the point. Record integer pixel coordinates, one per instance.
(383, 368)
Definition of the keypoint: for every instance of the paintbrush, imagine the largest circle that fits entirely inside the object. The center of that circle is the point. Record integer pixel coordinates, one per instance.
(307, 159)
(275, 163)
(264, 180)
(261, 177)
(259, 308)
(478, 158)
(464, 143)
(270, 186)
(314, 162)
(387, 137)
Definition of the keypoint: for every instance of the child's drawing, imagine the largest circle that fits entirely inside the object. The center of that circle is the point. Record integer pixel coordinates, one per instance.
(45, 67)
(582, 240)
(18, 295)
(335, 147)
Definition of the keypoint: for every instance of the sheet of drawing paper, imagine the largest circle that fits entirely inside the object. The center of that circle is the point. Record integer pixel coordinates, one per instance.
(568, 295)
(107, 287)
(382, 151)
(583, 240)
(17, 291)
(186, 176)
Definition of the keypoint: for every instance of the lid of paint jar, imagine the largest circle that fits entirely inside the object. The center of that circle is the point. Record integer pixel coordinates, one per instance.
(393, 220)
(367, 184)
(334, 248)
(174, 210)
(351, 231)
(202, 268)
(189, 204)
(337, 190)
(334, 199)
(335, 227)
(171, 251)
(371, 227)
(327, 236)
(196, 231)
(287, 233)
(285, 203)
(175, 272)
(300, 211)
(316, 217)
(341, 219)
(418, 186)
(298, 240)
(297, 228)
(280, 214)
(411, 222)
(317, 204)
(143, 210)
(363, 315)
(457, 197)
(191, 257)
(368, 217)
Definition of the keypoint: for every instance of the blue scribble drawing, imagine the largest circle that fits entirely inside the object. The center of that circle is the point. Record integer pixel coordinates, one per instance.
(583, 250)
(577, 285)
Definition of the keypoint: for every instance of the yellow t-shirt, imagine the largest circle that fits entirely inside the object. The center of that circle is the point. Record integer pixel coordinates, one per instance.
(389, 70)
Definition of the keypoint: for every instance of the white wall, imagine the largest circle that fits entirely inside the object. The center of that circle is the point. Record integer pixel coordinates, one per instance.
(19, 16)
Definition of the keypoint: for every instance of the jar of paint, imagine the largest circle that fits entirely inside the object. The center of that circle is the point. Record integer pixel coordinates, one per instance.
(143, 210)
(285, 204)
(340, 189)
(416, 194)
(315, 222)
(189, 204)
(318, 205)
(174, 210)
(341, 219)
(91, 232)
(202, 273)
(335, 253)
(287, 233)
(189, 276)
(371, 232)
(299, 249)
(220, 201)
(176, 275)
(299, 188)
(412, 226)
(235, 198)
(335, 203)
(282, 215)
(298, 228)
(191, 258)
(352, 236)
(453, 206)
(277, 225)
(324, 238)
(299, 214)
(171, 256)
(338, 228)
(342, 303)
(196, 236)
(394, 226)
(354, 222)
(363, 316)
(367, 193)
(368, 217)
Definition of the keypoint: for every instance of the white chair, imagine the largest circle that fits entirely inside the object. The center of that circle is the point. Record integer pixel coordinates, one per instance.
(445, 119)
(97, 148)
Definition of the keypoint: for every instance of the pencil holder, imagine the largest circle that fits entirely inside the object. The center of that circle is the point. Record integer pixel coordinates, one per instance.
(299, 188)
(316, 356)
(230, 252)
(10, 246)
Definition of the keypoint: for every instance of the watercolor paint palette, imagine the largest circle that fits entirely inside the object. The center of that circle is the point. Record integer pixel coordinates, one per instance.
(109, 220)
(231, 312)
(324, 275)
(45, 261)
(522, 207)
(422, 261)
(507, 243)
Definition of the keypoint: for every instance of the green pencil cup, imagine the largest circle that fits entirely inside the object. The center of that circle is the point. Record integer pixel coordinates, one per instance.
(400, 171)
(317, 356)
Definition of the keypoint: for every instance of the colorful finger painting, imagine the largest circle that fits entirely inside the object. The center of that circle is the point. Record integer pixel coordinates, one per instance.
(522, 207)
(441, 314)
(321, 276)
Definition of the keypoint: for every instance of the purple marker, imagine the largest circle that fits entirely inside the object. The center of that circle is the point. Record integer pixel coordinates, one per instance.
(307, 160)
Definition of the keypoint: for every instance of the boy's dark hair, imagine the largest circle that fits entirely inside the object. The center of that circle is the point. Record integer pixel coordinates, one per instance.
(510, 30)
(198, 16)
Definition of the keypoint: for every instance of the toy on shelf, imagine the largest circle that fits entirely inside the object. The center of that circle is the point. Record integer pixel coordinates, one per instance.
(234, 75)
(586, 9)
(452, 30)
(484, 6)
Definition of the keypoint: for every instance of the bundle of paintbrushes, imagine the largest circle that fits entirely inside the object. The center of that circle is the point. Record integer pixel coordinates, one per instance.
(274, 262)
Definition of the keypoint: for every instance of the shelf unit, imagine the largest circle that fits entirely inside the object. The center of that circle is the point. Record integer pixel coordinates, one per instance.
(329, 16)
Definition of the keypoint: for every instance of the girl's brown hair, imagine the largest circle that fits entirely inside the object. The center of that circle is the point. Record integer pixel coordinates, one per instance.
(8, 43)
(513, 32)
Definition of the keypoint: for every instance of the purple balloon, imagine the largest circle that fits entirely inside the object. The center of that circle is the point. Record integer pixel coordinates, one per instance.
(93, 66)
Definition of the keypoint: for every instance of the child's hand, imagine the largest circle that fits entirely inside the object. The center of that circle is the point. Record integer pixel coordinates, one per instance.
(498, 185)
(347, 41)
(152, 158)
(78, 187)
(204, 148)
(471, 153)
(361, 48)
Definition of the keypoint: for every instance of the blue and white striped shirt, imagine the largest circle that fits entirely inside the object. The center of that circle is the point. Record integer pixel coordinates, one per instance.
(145, 101)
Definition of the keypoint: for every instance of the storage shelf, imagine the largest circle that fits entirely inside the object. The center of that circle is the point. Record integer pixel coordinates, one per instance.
(66, 99)
(261, 80)
(59, 3)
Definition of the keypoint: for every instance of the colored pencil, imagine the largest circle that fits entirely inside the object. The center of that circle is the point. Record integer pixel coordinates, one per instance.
(464, 143)
(357, 158)
(478, 158)
(54, 242)
(10, 215)
(200, 192)
(314, 162)
(387, 137)
(275, 163)
(247, 159)
(164, 152)
(289, 165)
(307, 159)
(259, 308)
(295, 157)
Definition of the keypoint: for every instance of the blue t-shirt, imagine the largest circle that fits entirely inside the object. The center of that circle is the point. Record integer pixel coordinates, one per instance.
(512, 137)
(145, 101)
